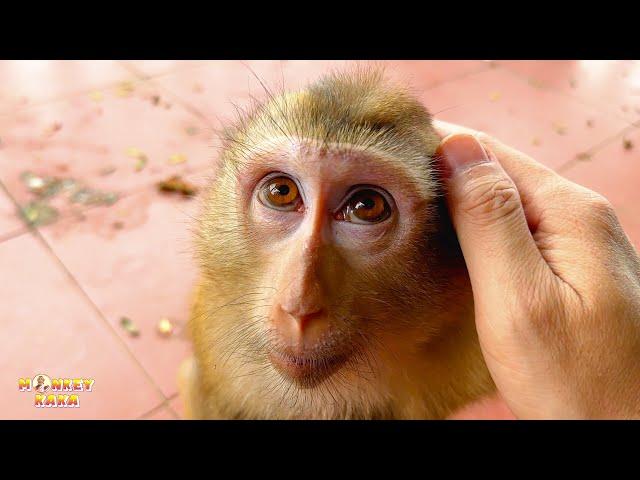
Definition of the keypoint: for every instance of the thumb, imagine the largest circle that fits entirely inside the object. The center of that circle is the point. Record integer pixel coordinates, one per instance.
(487, 213)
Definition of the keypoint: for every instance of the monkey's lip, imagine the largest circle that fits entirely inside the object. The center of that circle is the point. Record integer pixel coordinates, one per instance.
(307, 370)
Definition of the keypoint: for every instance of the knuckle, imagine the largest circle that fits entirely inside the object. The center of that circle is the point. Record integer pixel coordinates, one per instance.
(489, 198)
(599, 213)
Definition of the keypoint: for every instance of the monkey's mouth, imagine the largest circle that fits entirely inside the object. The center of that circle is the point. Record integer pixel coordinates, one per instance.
(307, 370)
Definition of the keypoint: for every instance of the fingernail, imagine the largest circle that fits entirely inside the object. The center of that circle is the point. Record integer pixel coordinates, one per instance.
(461, 151)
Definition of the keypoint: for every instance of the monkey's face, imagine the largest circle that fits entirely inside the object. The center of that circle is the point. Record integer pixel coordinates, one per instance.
(329, 266)
(331, 269)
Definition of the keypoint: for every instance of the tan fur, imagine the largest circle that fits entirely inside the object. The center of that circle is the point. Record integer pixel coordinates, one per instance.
(417, 351)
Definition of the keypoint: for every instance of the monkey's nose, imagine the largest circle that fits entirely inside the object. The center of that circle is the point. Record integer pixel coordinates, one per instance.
(305, 319)
(301, 327)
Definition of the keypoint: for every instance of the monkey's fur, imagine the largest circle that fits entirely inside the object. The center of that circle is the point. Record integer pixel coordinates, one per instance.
(414, 352)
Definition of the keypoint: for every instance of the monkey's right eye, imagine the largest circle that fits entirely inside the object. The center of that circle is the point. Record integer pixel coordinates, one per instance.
(280, 193)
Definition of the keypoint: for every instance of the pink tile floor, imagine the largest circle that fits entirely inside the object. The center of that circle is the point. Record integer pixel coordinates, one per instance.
(65, 286)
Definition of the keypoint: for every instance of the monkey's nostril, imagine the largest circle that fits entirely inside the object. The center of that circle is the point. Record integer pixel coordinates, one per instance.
(307, 318)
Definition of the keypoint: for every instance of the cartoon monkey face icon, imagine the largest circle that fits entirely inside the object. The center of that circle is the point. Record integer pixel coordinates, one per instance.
(41, 383)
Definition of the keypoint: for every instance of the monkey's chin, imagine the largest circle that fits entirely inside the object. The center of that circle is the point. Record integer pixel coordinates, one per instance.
(307, 371)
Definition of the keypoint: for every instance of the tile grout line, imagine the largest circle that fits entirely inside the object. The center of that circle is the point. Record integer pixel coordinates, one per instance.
(157, 408)
(630, 125)
(601, 108)
(140, 77)
(34, 231)
(151, 79)
(596, 148)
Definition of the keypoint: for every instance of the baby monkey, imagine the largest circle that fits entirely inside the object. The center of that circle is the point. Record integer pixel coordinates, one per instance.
(332, 285)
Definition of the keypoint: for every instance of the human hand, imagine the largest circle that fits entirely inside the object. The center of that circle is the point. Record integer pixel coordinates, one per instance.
(556, 282)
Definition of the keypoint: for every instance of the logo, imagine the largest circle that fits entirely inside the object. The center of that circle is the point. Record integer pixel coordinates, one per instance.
(55, 392)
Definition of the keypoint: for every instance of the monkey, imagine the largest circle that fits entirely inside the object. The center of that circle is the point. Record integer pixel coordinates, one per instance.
(331, 282)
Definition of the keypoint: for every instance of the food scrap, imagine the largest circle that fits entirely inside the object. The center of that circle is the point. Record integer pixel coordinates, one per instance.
(177, 158)
(39, 213)
(41, 186)
(88, 196)
(165, 327)
(129, 327)
(176, 184)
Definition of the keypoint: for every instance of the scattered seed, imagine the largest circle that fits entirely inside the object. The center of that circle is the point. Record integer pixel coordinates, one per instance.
(124, 89)
(165, 327)
(535, 141)
(139, 155)
(583, 157)
(155, 99)
(627, 144)
(176, 184)
(495, 96)
(96, 96)
(53, 128)
(590, 123)
(39, 213)
(134, 152)
(192, 131)
(573, 83)
(140, 164)
(118, 225)
(107, 170)
(534, 82)
(560, 128)
(130, 327)
(177, 158)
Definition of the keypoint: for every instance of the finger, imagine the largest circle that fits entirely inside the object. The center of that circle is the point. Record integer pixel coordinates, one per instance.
(534, 181)
(489, 219)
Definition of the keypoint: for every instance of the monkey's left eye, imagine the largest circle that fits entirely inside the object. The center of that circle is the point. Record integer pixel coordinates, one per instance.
(365, 206)
(280, 193)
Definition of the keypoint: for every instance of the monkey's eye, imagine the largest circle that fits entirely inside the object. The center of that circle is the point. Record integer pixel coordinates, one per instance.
(280, 193)
(365, 206)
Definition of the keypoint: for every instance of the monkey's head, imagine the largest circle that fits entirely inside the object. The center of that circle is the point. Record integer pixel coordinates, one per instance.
(331, 276)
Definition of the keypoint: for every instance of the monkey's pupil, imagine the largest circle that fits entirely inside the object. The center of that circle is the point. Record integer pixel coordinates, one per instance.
(282, 190)
(367, 203)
